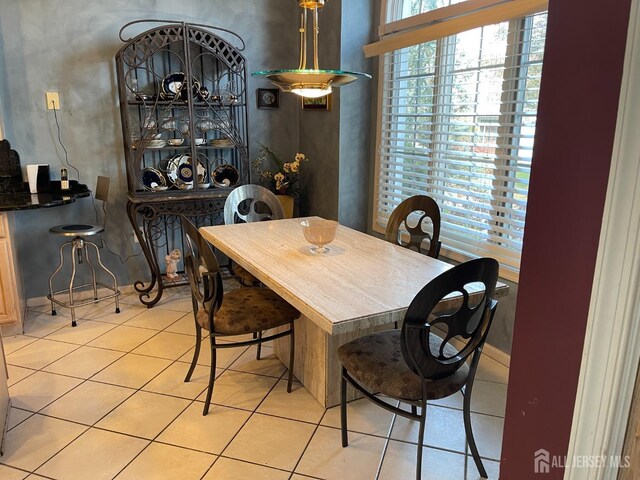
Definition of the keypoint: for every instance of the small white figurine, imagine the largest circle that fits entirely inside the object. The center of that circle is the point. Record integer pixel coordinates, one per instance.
(172, 263)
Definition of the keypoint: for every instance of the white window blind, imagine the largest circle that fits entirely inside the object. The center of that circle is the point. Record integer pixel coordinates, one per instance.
(457, 122)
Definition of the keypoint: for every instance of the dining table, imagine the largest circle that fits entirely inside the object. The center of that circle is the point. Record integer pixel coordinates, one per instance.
(361, 285)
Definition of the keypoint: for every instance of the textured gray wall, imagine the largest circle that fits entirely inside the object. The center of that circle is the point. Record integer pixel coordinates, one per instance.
(69, 47)
(320, 129)
(337, 184)
(355, 115)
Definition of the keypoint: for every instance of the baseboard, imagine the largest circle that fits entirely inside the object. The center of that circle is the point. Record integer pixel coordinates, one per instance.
(11, 329)
(488, 350)
(496, 354)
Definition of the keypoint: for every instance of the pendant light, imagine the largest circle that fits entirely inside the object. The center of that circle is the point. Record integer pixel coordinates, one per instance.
(303, 81)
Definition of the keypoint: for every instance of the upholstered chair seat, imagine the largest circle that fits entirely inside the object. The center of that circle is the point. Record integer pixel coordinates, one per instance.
(376, 363)
(248, 310)
(243, 276)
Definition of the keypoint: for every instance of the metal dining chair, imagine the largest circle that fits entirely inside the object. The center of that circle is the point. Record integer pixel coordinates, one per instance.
(251, 203)
(401, 224)
(246, 204)
(248, 310)
(423, 362)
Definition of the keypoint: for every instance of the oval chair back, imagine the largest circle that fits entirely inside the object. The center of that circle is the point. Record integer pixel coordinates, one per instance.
(203, 271)
(467, 323)
(251, 203)
(417, 234)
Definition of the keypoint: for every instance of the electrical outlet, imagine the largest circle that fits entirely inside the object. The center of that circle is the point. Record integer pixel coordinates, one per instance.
(53, 100)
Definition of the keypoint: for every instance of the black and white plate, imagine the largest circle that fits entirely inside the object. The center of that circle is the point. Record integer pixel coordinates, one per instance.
(173, 86)
(180, 171)
(225, 176)
(153, 179)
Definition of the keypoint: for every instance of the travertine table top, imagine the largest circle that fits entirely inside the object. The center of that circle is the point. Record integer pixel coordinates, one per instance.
(362, 281)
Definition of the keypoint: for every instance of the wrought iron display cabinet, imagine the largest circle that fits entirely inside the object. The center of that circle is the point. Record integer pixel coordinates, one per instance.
(183, 103)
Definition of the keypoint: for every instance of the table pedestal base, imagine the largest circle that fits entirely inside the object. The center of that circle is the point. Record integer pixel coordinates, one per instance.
(316, 359)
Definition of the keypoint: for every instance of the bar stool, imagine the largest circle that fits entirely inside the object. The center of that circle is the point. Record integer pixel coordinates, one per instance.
(79, 249)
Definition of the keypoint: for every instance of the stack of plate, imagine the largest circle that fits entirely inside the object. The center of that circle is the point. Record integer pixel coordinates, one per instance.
(221, 143)
(156, 143)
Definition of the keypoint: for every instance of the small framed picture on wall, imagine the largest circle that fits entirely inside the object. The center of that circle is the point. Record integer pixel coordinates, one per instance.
(268, 98)
(320, 103)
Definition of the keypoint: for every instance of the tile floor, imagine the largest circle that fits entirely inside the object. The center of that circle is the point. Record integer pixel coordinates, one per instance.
(107, 400)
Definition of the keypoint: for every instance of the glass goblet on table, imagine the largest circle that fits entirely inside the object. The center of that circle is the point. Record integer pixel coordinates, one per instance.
(319, 232)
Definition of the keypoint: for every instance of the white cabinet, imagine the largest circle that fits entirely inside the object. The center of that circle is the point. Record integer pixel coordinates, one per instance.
(11, 299)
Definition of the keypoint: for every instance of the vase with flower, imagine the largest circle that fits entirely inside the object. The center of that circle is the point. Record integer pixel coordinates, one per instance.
(283, 178)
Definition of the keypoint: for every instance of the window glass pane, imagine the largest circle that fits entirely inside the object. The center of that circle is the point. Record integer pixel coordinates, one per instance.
(415, 7)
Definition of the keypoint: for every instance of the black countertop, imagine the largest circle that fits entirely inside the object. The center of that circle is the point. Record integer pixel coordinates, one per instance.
(26, 201)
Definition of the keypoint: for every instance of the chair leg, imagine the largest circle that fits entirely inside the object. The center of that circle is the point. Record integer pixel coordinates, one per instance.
(292, 352)
(466, 411)
(259, 346)
(343, 409)
(72, 307)
(212, 377)
(414, 410)
(196, 353)
(423, 422)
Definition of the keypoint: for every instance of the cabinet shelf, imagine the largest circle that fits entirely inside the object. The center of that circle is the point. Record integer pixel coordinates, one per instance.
(183, 104)
(183, 148)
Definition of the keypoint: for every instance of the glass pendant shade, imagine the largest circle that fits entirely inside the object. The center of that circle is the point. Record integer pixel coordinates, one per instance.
(310, 83)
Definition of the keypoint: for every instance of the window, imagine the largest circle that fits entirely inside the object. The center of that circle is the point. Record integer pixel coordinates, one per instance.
(410, 8)
(457, 121)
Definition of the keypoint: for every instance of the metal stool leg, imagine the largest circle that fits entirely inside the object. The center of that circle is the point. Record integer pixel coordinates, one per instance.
(79, 254)
(94, 285)
(56, 271)
(115, 280)
(76, 245)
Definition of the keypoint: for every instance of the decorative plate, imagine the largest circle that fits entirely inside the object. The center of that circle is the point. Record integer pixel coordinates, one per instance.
(225, 176)
(153, 179)
(156, 143)
(203, 94)
(173, 86)
(180, 171)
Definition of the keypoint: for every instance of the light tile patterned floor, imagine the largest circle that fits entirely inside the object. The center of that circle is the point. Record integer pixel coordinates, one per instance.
(107, 400)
